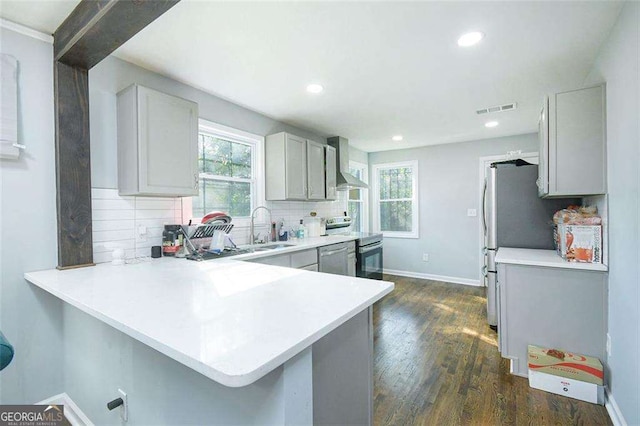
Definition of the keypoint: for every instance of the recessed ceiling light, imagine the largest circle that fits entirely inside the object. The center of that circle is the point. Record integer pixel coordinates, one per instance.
(491, 124)
(314, 88)
(397, 138)
(469, 39)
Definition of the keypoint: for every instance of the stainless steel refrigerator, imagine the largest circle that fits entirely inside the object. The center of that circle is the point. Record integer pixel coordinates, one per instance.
(514, 216)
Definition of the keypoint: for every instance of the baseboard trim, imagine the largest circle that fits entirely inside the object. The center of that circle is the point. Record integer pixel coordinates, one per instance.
(29, 32)
(455, 280)
(612, 408)
(72, 412)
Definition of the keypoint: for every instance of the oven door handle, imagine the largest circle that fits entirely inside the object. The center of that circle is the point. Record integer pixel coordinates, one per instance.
(367, 249)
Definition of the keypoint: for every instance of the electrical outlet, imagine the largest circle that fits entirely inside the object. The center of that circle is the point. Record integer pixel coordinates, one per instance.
(472, 212)
(142, 233)
(608, 345)
(425, 257)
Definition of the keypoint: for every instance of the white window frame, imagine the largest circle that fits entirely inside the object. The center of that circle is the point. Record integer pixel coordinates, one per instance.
(257, 166)
(364, 210)
(375, 189)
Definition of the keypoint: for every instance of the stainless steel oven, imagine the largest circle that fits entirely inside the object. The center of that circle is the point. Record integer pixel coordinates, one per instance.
(368, 247)
(369, 256)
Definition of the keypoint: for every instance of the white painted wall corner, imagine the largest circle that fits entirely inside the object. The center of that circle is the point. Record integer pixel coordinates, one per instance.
(612, 408)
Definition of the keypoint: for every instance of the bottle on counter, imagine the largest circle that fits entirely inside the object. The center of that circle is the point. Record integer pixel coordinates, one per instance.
(282, 232)
(302, 230)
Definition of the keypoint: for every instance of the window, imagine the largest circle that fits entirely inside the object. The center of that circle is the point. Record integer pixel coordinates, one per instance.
(228, 161)
(395, 192)
(358, 206)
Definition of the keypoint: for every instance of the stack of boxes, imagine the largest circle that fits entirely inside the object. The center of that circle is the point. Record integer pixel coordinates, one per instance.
(578, 234)
(573, 375)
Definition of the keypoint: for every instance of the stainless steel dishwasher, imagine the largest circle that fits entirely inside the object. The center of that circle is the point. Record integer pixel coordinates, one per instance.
(337, 258)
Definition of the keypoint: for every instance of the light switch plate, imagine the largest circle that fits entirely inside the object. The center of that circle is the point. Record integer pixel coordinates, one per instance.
(472, 212)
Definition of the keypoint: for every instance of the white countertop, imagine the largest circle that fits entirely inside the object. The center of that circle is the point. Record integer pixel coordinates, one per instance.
(546, 258)
(231, 321)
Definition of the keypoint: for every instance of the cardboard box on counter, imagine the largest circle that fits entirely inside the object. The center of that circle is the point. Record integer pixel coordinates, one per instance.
(579, 243)
(573, 375)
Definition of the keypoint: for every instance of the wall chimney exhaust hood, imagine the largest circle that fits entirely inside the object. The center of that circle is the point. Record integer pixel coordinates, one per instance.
(345, 180)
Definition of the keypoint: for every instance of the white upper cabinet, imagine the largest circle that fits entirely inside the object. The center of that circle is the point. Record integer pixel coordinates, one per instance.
(572, 135)
(285, 167)
(330, 171)
(315, 171)
(157, 144)
(294, 168)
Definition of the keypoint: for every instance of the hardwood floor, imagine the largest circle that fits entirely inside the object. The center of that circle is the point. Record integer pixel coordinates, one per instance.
(437, 363)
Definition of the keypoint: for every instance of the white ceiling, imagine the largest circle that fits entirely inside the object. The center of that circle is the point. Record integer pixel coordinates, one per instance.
(387, 67)
(43, 15)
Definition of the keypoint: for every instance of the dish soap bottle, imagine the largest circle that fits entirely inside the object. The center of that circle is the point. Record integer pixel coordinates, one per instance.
(302, 230)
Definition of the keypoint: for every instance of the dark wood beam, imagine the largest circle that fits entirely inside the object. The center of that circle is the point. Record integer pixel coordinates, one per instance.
(96, 28)
(73, 166)
(92, 31)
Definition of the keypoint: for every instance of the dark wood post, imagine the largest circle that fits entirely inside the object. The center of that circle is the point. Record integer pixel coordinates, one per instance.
(90, 33)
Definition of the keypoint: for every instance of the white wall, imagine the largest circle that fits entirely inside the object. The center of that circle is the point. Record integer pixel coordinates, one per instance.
(618, 65)
(29, 318)
(356, 155)
(448, 186)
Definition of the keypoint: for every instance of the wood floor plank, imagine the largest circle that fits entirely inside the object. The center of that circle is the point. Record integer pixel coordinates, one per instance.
(437, 363)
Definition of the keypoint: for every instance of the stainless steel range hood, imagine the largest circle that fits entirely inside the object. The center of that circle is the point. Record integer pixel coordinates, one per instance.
(344, 179)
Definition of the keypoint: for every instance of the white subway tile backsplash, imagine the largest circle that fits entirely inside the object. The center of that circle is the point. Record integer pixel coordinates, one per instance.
(112, 215)
(107, 236)
(117, 221)
(112, 225)
(101, 204)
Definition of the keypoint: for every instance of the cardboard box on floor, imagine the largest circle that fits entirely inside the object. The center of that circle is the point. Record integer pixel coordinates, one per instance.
(573, 375)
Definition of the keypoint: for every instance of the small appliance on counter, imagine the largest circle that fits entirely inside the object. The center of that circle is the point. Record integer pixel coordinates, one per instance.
(368, 247)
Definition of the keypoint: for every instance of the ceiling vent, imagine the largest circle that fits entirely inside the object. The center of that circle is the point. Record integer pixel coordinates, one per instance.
(497, 108)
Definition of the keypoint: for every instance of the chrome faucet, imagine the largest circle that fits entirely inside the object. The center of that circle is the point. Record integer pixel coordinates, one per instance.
(252, 236)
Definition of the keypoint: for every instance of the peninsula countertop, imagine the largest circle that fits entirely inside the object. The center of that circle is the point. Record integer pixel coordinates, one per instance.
(231, 321)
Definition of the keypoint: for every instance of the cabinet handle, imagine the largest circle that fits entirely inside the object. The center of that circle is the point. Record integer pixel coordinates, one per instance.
(195, 181)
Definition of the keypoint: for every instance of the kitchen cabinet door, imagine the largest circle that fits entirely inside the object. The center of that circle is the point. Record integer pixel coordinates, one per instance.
(572, 141)
(331, 191)
(285, 167)
(296, 168)
(315, 171)
(157, 144)
(543, 145)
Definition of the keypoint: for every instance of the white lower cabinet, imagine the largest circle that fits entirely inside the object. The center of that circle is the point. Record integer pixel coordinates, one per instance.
(304, 259)
(550, 307)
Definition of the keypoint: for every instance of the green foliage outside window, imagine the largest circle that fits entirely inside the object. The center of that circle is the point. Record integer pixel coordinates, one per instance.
(226, 177)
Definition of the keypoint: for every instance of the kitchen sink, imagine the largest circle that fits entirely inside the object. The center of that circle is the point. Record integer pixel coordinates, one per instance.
(272, 246)
(242, 250)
